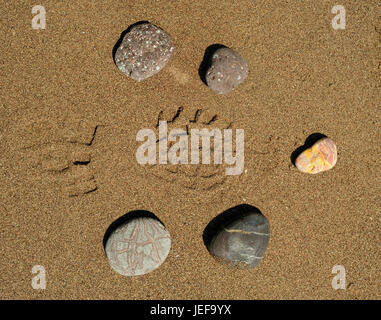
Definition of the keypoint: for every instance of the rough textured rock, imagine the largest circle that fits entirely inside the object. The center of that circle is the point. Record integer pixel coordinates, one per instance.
(227, 70)
(144, 51)
(137, 247)
(322, 156)
(242, 242)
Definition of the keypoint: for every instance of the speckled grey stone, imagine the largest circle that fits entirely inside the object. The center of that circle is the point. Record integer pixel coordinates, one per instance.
(242, 242)
(144, 51)
(226, 71)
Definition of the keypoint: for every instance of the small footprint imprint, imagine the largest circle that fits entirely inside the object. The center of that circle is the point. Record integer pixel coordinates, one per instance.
(66, 154)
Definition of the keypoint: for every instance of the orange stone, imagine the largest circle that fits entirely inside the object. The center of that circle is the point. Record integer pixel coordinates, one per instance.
(322, 156)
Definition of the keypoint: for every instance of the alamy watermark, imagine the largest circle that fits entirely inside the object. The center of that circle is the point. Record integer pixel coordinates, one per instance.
(178, 153)
(39, 280)
(339, 20)
(39, 20)
(338, 281)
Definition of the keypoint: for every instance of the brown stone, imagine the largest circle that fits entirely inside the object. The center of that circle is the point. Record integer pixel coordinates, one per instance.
(227, 70)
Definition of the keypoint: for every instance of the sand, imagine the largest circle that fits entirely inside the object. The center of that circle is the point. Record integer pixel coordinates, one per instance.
(63, 101)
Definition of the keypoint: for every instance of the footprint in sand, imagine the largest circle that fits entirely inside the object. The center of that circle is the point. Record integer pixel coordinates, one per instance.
(64, 151)
(191, 176)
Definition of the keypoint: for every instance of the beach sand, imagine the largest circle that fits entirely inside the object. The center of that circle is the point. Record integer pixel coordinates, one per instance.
(63, 101)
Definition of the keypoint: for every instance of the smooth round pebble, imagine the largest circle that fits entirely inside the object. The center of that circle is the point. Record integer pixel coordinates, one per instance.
(226, 71)
(243, 242)
(322, 156)
(138, 246)
(144, 51)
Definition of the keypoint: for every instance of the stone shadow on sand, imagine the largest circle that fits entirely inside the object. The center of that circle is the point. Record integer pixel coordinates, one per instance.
(122, 35)
(310, 141)
(225, 218)
(126, 218)
(206, 61)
